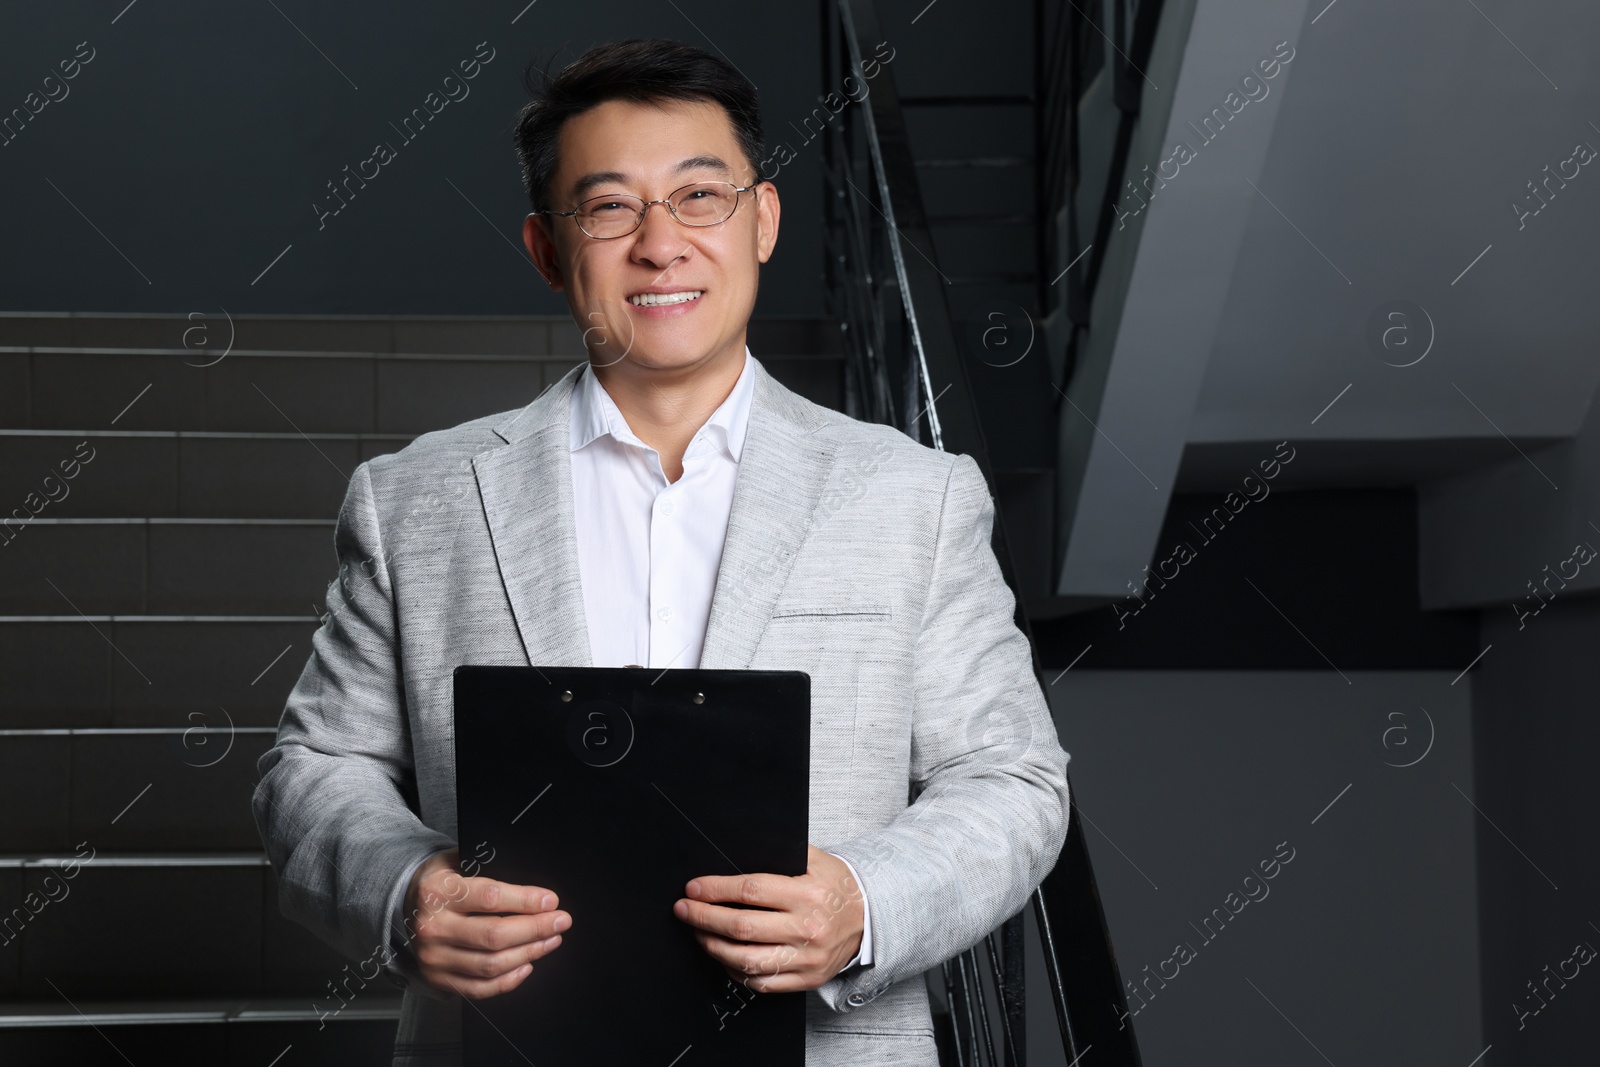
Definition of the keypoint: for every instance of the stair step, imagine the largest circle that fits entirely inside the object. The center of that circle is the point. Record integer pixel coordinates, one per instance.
(129, 789)
(313, 392)
(206, 337)
(958, 191)
(1023, 219)
(58, 1014)
(973, 309)
(169, 926)
(969, 100)
(148, 665)
(971, 132)
(273, 391)
(986, 250)
(69, 670)
(138, 473)
(976, 161)
(215, 333)
(219, 474)
(997, 278)
(135, 566)
(202, 1033)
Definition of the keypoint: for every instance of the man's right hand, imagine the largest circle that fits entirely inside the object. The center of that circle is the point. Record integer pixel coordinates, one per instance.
(459, 948)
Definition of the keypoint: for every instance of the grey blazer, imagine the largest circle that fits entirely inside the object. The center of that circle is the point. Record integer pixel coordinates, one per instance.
(852, 553)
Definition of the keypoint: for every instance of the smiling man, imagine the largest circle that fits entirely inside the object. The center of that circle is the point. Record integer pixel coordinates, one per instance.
(668, 503)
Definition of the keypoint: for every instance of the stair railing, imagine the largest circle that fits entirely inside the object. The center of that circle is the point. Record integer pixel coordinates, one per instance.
(904, 368)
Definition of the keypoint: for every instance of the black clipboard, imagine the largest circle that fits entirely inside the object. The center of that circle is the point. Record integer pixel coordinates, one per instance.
(613, 787)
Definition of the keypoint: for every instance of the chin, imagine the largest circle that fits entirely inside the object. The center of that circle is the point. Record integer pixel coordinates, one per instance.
(669, 356)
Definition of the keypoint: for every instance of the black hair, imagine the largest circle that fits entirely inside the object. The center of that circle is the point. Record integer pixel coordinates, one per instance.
(642, 70)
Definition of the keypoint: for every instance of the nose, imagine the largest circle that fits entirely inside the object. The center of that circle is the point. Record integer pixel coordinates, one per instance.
(644, 218)
(659, 244)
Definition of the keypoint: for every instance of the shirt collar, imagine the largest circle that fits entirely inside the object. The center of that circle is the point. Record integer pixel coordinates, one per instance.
(594, 414)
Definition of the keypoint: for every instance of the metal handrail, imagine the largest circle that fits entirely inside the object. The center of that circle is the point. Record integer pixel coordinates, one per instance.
(904, 368)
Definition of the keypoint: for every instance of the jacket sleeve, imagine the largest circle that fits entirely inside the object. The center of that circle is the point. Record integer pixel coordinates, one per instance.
(332, 805)
(987, 769)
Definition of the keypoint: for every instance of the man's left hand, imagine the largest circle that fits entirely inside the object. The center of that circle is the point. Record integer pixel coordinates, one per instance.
(813, 929)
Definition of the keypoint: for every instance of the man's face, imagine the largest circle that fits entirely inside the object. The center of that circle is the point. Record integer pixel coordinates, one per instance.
(645, 146)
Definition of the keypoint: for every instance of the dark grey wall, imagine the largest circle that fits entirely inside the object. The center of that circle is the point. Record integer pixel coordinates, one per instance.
(1364, 941)
(1205, 729)
(186, 155)
(1539, 877)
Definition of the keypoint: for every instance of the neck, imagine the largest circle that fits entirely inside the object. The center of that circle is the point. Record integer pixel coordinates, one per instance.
(665, 408)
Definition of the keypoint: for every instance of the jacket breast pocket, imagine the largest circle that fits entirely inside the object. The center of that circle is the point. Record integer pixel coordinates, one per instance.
(829, 638)
(842, 611)
(842, 644)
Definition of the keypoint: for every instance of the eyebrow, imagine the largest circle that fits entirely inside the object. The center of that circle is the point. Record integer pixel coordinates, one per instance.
(605, 177)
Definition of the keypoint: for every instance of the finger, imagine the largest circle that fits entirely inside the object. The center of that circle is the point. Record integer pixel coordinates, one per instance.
(762, 890)
(482, 989)
(798, 912)
(758, 966)
(787, 982)
(486, 894)
(740, 924)
(491, 933)
(472, 964)
(746, 959)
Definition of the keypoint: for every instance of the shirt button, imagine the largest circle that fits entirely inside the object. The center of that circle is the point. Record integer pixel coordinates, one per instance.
(667, 508)
(664, 614)
(856, 1000)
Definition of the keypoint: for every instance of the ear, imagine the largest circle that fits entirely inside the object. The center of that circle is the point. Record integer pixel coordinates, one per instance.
(767, 211)
(542, 250)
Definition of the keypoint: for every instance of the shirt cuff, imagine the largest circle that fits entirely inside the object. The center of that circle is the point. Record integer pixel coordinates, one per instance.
(864, 956)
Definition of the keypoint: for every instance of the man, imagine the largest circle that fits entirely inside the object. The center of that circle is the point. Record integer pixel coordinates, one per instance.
(669, 504)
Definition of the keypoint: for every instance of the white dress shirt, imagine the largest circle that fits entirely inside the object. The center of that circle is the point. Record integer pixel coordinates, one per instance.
(649, 549)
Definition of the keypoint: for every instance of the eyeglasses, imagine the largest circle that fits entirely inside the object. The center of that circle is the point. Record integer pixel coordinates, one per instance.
(614, 215)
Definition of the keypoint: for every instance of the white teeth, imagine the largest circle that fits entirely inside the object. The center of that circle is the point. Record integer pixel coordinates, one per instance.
(652, 299)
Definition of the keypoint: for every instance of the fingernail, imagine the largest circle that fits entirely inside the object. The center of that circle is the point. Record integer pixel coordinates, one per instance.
(548, 902)
(562, 923)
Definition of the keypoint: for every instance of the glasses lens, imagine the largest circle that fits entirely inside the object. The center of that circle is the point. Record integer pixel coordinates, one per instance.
(618, 214)
(705, 204)
(609, 216)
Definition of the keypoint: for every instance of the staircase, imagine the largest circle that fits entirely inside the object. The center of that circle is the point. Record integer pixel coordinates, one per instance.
(974, 159)
(168, 489)
(958, 336)
(1017, 136)
(972, 128)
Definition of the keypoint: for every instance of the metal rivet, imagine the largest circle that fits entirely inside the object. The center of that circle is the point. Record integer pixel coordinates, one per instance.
(567, 695)
(699, 698)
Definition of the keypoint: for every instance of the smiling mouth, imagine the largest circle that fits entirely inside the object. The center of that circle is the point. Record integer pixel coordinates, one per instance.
(665, 299)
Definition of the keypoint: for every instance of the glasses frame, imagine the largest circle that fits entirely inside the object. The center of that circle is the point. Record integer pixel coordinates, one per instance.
(644, 209)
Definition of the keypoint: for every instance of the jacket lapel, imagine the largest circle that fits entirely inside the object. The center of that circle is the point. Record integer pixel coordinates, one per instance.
(782, 470)
(527, 495)
(527, 498)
